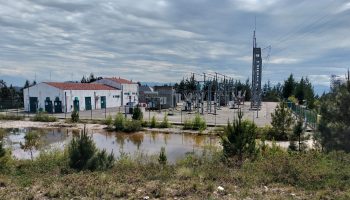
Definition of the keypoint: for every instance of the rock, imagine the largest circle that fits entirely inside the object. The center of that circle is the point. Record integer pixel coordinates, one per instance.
(292, 194)
(220, 188)
(146, 197)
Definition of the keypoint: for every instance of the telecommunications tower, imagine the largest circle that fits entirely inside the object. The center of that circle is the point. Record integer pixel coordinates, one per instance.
(255, 101)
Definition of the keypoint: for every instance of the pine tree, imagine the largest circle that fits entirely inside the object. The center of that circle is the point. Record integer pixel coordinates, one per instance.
(334, 127)
(281, 122)
(288, 87)
(238, 139)
(297, 137)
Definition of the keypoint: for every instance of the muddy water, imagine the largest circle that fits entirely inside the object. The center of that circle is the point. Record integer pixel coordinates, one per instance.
(176, 145)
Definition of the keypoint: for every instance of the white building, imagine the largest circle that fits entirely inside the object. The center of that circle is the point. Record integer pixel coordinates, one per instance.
(128, 88)
(64, 97)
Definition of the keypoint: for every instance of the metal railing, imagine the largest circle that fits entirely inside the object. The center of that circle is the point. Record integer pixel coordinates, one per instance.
(309, 116)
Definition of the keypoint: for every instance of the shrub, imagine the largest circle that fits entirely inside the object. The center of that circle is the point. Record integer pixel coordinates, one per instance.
(309, 170)
(137, 114)
(165, 123)
(162, 159)
(297, 137)
(101, 161)
(281, 122)
(75, 116)
(5, 156)
(145, 124)
(119, 122)
(187, 124)
(198, 123)
(239, 139)
(83, 154)
(44, 117)
(132, 126)
(265, 132)
(10, 117)
(153, 122)
(109, 122)
(81, 149)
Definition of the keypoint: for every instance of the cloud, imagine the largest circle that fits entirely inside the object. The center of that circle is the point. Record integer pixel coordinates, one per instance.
(158, 40)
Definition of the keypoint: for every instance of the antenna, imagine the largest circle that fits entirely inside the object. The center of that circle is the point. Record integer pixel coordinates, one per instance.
(254, 38)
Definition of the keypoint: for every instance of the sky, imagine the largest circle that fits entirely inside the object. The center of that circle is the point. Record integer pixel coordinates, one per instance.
(164, 41)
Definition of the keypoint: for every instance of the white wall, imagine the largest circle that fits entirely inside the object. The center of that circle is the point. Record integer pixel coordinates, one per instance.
(130, 93)
(43, 90)
(113, 98)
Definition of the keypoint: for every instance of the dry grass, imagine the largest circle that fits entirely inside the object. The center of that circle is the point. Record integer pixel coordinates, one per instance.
(274, 175)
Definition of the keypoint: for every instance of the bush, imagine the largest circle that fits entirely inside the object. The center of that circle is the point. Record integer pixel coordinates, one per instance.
(101, 161)
(75, 116)
(145, 124)
(165, 123)
(81, 149)
(265, 132)
(309, 170)
(239, 139)
(198, 123)
(162, 159)
(132, 126)
(10, 117)
(137, 114)
(84, 155)
(153, 122)
(109, 122)
(44, 117)
(5, 156)
(119, 122)
(187, 124)
(281, 122)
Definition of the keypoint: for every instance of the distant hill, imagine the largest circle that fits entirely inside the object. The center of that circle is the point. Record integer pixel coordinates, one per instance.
(155, 83)
(319, 89)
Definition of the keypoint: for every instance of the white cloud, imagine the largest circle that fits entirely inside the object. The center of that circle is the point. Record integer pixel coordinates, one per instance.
(165, 40)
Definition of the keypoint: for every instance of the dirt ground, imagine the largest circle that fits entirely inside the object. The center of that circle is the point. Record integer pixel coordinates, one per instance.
(224, 114)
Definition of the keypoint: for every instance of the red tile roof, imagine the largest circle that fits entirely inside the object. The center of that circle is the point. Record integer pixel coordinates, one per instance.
(80, 86)
(120, 80)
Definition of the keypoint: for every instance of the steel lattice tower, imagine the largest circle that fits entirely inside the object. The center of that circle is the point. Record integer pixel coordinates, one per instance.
(256, 76)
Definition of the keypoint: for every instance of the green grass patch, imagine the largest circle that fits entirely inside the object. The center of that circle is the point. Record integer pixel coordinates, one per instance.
(44, 117)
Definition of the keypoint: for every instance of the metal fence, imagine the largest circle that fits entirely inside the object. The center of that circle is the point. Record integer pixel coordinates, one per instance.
(309, 116)
(10, 103)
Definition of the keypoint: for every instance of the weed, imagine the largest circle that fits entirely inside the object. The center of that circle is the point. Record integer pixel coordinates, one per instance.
(44, 117)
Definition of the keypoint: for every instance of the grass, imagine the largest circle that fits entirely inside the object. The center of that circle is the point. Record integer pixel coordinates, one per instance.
(11, 117)
(310, 175)
(44, 117)
(198, 123)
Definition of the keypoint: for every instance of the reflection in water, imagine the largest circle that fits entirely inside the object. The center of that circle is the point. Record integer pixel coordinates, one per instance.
(176, 145)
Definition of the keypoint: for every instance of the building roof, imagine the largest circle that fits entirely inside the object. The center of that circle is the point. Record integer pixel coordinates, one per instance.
(120, 80)
(79, 86)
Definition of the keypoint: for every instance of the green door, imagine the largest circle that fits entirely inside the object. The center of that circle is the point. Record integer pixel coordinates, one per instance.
(103, 101)
(58, 105)
(48, 105)
(88, 103)
(76, 104)
(33, 104)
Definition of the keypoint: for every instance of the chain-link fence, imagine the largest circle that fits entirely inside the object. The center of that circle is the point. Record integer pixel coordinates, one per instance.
(301, 111)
